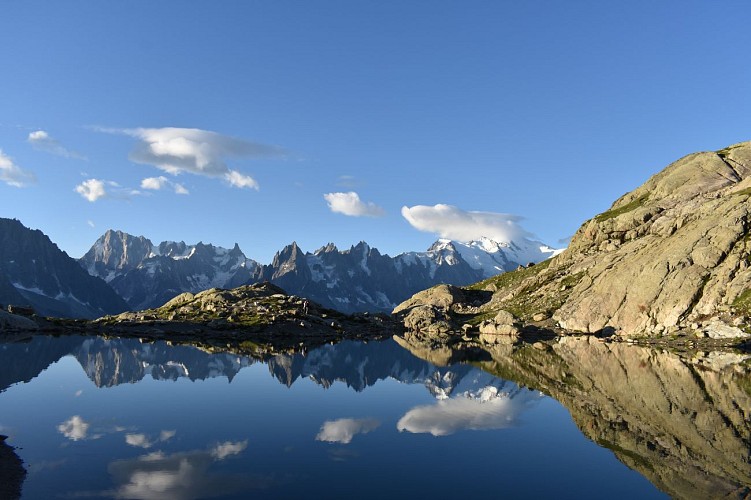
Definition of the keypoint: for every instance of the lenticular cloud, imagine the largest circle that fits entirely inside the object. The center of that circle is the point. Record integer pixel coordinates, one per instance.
(454, 223)
(12, 174)
(202, 152)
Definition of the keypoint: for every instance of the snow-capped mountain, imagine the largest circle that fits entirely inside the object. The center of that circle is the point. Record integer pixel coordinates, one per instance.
(356, 279)
(362, 279)
(35, 272)
(148, 275)
(493, 257)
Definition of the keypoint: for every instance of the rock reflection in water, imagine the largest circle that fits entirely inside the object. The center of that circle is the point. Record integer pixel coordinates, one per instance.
(12, 472)
(683, 421)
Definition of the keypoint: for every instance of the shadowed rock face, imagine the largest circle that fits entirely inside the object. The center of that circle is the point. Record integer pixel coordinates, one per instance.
(682, 422)
(35, 272)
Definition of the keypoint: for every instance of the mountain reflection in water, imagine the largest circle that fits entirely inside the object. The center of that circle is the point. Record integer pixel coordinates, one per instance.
(682, 423)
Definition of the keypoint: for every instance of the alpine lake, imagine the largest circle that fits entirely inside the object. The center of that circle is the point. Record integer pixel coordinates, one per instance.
(95, 417)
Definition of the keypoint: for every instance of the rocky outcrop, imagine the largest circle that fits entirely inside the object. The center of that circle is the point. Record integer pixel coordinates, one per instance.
(672, 255)
(503, 328)
(673, 252)
(440, 296)
(14, 322)
(262, 310)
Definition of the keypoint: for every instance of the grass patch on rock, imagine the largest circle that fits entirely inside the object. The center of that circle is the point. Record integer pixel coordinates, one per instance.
(742, 302)
(512, 278)
(628, 207)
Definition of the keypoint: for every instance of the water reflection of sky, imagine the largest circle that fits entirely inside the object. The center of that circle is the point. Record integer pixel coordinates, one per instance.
(348, 418)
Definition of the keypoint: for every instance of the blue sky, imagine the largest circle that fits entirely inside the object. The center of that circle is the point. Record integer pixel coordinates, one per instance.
(545, 110)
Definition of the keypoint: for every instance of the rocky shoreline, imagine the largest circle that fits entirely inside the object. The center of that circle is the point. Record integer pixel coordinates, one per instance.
(262, 318)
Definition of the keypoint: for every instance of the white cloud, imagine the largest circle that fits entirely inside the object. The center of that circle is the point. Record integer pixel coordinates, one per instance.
(465, 413)
(92, 189)
(203, 152)
(343, 430)
(12, 174)
(155, 183)
(454, 223)
(350, 204)
(95, 189)
(239, 180)
(42, 141)
(161, 182)
(75, 428)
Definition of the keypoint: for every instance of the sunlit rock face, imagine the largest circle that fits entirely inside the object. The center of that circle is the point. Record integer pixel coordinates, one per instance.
(673, 254)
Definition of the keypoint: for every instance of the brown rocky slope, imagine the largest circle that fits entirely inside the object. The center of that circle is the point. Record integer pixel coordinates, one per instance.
(671, 255)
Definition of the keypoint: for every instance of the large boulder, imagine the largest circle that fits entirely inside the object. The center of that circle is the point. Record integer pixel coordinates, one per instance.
(426, 318)
(441, 296)
(15, 322)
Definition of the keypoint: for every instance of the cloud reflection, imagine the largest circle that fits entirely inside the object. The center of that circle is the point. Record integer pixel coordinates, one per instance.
(180, 476)
(491, 410)
(143, 441)
(75, 428)
(343, 430)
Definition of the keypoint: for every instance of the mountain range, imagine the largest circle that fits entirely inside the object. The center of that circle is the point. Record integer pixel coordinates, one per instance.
(353, 280)
(148, 275)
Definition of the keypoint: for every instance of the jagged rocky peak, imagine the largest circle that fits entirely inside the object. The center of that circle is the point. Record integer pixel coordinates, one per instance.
(361, 247)
(328, 248)
(173, 249)
(442, 245)
(118, 250)
(288, 259)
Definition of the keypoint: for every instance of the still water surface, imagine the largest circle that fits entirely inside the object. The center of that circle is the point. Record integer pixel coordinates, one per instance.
(96, 418)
